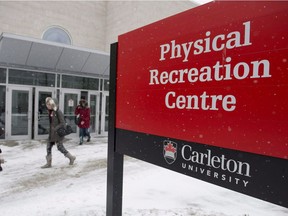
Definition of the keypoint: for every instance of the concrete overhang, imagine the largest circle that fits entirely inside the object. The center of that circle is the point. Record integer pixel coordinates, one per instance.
(30, 53)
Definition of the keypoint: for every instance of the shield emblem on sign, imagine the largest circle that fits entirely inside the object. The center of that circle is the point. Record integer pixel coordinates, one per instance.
(169, 151)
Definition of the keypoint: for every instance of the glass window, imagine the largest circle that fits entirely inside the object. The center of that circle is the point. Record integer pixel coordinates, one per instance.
(57, 34)
(2, 75)
(31, 78)
(75, 82)
(58, 80)
(106, 85)
(2, 111)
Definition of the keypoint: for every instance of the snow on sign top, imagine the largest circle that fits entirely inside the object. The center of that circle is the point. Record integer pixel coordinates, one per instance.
(216, 75)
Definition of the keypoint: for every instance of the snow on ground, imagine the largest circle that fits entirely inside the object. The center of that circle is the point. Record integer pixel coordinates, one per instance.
(80, 190)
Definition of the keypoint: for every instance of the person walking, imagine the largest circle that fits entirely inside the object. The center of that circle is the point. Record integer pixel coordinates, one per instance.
(82, 112)
(56, 119)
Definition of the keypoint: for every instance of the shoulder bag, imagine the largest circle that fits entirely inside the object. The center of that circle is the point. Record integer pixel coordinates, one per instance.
(64, 130)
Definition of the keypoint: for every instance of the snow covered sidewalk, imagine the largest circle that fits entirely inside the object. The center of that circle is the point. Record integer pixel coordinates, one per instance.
(80, 190)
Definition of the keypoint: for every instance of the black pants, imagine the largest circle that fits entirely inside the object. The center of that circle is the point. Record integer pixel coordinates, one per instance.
(60, 147)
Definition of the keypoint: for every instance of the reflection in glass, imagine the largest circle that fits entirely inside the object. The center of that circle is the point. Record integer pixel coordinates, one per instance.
(20, 105)
(70, 103)
(43, 118)
(31, 78)
(75, 82)
(106, 85)
(57, 34)
(2, 75)
(2, 111)
(106, 113)
(93, 100)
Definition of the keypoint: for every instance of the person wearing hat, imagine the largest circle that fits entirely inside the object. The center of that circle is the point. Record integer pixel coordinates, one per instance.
(56, 119)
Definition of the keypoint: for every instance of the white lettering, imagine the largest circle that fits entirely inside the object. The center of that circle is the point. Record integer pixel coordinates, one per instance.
(165, 48)
(203, 102)
(216, 162)
(206, 45)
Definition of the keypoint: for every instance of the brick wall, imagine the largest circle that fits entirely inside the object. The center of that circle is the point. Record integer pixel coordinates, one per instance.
(85, 21)
(124, 16)
(91, 24)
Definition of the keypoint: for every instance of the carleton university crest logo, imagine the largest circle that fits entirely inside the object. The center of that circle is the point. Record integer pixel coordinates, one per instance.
(169, 151)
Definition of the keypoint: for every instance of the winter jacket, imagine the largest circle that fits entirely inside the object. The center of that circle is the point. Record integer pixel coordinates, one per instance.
(84, 113)
(56, 119)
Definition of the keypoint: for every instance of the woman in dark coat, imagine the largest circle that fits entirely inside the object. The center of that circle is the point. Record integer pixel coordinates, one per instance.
(83, 112)
(56, 119)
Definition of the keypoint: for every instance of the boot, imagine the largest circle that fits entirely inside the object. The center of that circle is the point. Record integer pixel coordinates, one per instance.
(71, 158)
(49, 162)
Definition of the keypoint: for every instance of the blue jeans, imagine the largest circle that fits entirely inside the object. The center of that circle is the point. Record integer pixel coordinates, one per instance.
(84, 132)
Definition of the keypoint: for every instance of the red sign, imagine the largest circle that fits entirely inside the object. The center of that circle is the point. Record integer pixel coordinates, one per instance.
(214, 75)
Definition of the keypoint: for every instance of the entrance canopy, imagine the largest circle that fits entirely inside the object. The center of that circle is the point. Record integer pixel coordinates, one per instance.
(31, 53)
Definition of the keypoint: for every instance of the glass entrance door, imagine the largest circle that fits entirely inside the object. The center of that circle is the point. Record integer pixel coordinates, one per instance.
(68, 102)
(104, 113)
(41, 119)
(94, 102)
(19, 109)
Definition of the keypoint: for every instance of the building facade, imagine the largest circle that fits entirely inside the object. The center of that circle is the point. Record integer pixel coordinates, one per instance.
(61, 49)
